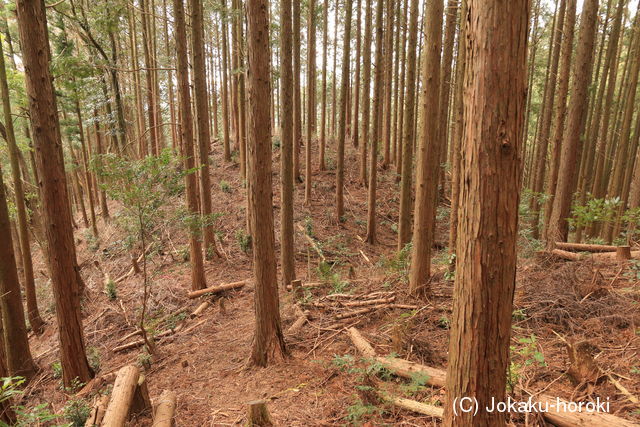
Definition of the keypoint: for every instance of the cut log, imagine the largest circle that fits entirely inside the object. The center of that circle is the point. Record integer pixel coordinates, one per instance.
(217, 289)
(571, 256)
(165, 409)
(623, 253)
(370, 302)
(407, 369)
(202, 307)
(354, 313)
(584, 247)
(141, 403)
(258, 414)
(97, 412)
(561, 414)
(361, 343)
(95, 384)
(412, 405)
(400, 367)
(121, 397)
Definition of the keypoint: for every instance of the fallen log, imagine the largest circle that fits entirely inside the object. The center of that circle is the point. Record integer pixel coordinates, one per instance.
(300, 321)
(408, 369)
(354, 313)
(217, 289)
(361, 343)
(165, 409)
(370, 302)
(584, 247)
(412, 405)
(95, 384)
(560, 414)
(121, 397)
(599, 256)
(98, 411)
(202, 307)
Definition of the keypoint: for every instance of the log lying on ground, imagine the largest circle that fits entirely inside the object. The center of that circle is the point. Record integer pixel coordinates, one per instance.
(600, 256)
(412, 405)
(300, 321)
(400, 367)
(565, 418)
(202, 307)
(121, 397)
(217, 289)
(555, 414)
(95, 384)
(98, 411)
(584, 247)
(165, 409)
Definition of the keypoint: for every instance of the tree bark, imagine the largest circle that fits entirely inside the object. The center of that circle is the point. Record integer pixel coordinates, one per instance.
(495, 93)
(268, 341)
(198, 280)
(558, 227)
(366, 92)
(311, 95)
(342, 131)
(65, 277)
(428, 162)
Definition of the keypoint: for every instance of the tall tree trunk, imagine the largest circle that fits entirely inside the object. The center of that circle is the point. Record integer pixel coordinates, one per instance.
(286, 160)
(366, 92)
(354, 125)
(225, 84)
(342, 131)
(323, 112)
(171, 100)
(488, 219)
(428, 161)
(545, 121)
(268, 341)
(376, 124)
(558, 227)
(33, 314)
(148, 62)
(16, 342)
(388, 78)
(198, 280)
(402, 90)
(65, 276)
(404, 230)
(297, 101)
(561, 106)
(311, 95)
(202, 120)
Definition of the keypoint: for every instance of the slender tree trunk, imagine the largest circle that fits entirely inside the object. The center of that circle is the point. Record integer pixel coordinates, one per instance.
(404, 230)
(354, 127)
(376, 131)
(225, 84)
(402, 90)
(171, 100)
(33, 313)
(148, 62)
(558, 227)
(268, 341)
(297, 102)
(334, 78)
(366, 97)
(560, 106)
(488, 219)
(104, 207)
(65, 276)
(427, 169)
(16, 343)
(202, 119)
(198, 280)
(323, 113)
(311, 95)
(342, 131)
(388, 77)
(286, 160)
(545, 120)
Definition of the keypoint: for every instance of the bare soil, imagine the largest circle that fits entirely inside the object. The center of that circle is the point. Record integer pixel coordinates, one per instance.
(556, 301)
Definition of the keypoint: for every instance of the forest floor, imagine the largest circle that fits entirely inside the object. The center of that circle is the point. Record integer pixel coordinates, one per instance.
(556, 301)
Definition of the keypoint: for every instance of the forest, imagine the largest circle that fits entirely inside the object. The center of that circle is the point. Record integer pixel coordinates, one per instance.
(320, 213)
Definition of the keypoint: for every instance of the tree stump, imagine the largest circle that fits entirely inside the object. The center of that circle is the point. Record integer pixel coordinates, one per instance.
(258, 415)
(141, 402)
(121, 397)
(296, 288)
(623, 253)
